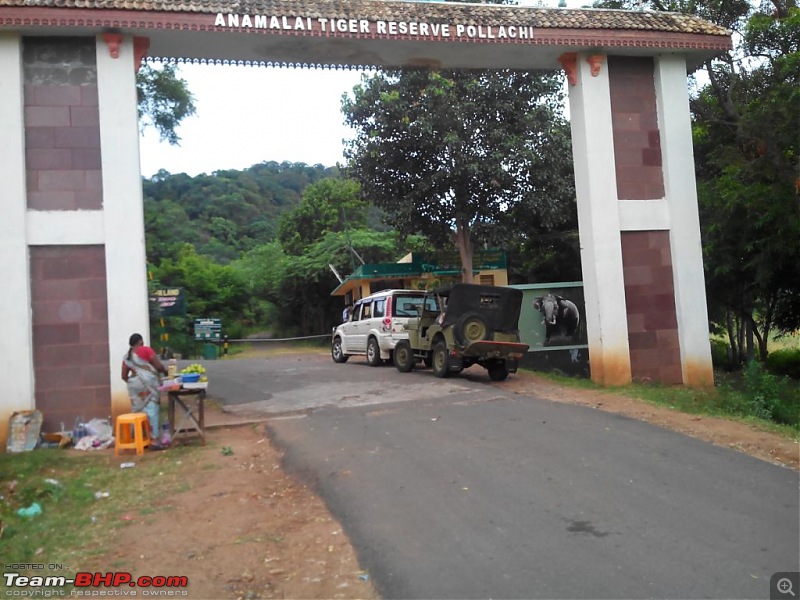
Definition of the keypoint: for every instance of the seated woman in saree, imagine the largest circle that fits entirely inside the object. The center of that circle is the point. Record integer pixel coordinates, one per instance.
(140, 370)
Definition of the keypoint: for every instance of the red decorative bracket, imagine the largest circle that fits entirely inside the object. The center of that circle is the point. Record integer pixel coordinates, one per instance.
(113, 41)
(569, 62)
(140, 47)
(595, 62)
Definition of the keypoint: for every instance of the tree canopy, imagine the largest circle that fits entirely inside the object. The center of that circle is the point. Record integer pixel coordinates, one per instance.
(457, 155)
(164, 100)
(226, 213)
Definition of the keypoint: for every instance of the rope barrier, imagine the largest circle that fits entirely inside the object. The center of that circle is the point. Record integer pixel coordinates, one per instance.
(291, 339)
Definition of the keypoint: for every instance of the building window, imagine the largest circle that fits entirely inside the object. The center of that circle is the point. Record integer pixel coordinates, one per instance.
(487, 279)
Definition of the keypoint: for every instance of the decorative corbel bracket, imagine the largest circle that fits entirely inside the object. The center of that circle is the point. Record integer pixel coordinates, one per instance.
(595, 62)
(140, 47)
(113, 41)
(569, 62)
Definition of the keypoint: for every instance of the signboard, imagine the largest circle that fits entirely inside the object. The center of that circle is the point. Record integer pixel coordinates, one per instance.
(371, 28)
(552, 316)
(207, 330)
(168, 302)
(553, 323)
(483, 260)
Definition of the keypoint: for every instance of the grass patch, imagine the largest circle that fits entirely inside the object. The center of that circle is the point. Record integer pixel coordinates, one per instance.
(267, 349)
(77, 519)
(756, 397)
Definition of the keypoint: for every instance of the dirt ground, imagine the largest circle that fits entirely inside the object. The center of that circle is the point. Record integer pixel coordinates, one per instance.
(257, 532)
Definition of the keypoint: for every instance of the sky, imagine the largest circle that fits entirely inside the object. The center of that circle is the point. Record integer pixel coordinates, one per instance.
(248, 115)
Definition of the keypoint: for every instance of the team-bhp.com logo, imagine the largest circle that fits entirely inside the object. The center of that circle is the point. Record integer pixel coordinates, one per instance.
(88, 584)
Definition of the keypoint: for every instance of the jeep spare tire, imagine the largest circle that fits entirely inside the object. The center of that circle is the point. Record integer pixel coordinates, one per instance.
(403, 356)
(471, 327)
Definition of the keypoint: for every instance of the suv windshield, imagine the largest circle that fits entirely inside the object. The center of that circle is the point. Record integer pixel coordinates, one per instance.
(406, 306)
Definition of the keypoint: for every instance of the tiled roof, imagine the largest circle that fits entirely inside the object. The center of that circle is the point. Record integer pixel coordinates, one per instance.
(453, 12)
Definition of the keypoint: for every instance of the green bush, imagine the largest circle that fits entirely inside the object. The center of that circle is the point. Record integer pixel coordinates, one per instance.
(719, 355)
(769, 396)
(787, 411)
(762, 389)
(785, 362)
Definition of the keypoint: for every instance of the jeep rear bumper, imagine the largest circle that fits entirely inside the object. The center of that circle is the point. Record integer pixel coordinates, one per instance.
(486, 349)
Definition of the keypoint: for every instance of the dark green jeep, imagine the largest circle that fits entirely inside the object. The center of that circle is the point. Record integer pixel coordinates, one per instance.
(474, 324)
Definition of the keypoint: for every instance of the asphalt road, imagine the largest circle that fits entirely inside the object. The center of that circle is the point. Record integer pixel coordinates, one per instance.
(456, 489)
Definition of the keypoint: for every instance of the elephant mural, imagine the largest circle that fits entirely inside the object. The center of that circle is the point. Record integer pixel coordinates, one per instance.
(561, 316)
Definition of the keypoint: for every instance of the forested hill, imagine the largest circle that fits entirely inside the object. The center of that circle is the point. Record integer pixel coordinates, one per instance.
(225, 213)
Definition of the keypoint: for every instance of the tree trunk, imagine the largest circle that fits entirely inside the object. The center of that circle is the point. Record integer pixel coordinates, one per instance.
(733, 346)
(465, 250)
(751, 348)
(740, 339)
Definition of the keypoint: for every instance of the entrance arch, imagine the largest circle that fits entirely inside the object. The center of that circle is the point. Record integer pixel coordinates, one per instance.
(71, 222)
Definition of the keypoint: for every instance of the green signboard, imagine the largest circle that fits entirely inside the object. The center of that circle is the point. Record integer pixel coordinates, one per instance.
(207, 329)
(168, 302)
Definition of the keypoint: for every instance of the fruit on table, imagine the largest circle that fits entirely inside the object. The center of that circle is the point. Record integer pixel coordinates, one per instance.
(194, 368)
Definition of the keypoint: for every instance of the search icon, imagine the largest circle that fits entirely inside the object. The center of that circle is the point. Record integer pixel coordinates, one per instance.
(784, 586)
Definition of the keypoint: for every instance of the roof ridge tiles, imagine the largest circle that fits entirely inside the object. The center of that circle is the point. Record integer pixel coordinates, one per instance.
(540, 17)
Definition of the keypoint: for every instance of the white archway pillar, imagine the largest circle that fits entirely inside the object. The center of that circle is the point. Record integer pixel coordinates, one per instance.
(123, 214)
(599, 222)
(680, 188)
(639, 225)
(16, 345)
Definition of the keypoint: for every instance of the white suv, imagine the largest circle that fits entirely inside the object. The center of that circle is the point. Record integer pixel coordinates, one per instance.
(372, 322)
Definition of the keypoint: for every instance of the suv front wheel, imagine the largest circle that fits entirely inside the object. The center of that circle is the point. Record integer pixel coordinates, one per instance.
(373, 352)
(336, 351)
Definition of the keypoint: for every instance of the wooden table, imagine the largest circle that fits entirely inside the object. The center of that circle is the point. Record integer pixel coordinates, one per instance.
(190, 420)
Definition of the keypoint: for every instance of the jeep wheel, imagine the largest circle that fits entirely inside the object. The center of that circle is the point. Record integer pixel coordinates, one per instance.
(470, 328)
(403, 357)
(441, 360)
(336, 351)
(373, 352)
(498, 372)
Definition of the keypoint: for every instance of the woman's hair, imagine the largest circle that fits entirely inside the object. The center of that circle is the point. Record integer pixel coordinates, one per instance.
(133, 341)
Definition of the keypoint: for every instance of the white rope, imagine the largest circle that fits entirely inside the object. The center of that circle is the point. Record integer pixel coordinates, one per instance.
(291, 339)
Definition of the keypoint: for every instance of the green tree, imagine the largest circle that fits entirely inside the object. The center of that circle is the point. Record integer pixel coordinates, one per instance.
(327, 205)
(223, 214)
(295, 290)
(747, 164)
(452, 154)
(164, 100)
(212, 290)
